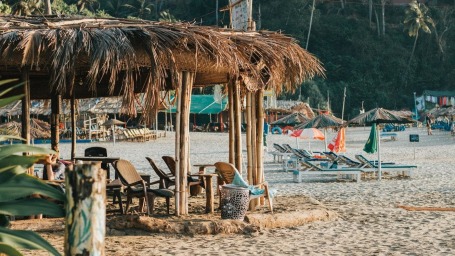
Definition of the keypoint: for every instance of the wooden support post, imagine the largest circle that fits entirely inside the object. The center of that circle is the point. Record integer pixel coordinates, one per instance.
(249, 138)
(85, 210)
(238, 127)
(253, 137)
(178, 188)
(260, 138)
(183, 153)
(73, 127)
(25, 133)
(231, 123)
(56, 102)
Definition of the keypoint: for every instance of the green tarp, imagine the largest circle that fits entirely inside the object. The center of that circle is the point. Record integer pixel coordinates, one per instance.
(203, 104)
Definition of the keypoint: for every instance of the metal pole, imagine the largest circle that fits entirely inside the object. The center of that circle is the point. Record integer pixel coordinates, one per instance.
(379, 151)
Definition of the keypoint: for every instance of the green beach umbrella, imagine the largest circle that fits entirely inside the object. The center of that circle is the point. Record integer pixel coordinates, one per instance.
(372, 143)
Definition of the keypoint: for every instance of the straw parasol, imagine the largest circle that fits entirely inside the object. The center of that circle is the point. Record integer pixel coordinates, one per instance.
(291, 119)
(375, 117)
(38, 129)
(112, 123)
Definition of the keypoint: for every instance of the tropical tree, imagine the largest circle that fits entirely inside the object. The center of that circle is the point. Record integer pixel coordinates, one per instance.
(141, 9)
(417, 18)
(27, 7)
(15, 188)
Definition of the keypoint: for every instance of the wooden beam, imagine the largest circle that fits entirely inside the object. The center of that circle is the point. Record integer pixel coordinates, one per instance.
(73, 127)
(56, 103)
(238, 127)
(25, 133)
(231, 123)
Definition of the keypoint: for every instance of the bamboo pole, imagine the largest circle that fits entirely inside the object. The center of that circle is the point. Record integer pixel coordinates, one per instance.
(73, 127)
(238, 127)
(260, 138)
(184, 147)
(178, 197)
(249, 139)
(85, 220)
(253, 137)
(25, 117)
(231, 123)
(56, 102)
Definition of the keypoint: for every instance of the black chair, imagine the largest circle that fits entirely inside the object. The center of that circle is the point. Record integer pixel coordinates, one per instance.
(98, 151)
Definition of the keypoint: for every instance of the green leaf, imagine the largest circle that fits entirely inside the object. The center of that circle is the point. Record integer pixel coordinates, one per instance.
(8, 150)
(9, 250)
(7, 81)
(10, 137)
(9, 172)
(26, 240)
(23, 185)
(3, 92)
(6, 101)
(31, 206)
(24, 161)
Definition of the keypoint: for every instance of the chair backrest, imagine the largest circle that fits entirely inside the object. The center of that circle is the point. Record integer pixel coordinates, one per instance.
(170, 162)
(297, 153)
(310, 165)
(226, 171)
(365, 161)
(127, 172)
(279, 148)
(287, 147)
(348, 160)
(161, 174)
(95, 151)
(332, 156)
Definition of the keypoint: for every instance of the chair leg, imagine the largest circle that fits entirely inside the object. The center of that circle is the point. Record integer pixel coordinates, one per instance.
(151, 202)
(128, 199)
(168, 202)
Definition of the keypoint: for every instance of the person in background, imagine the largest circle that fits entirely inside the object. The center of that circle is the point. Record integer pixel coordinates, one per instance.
(428, 124)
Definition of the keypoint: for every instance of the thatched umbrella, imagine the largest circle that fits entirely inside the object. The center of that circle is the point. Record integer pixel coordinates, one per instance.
(292, 119)
(89, 57)
(375, 117)
(38, 129)
(322, 121)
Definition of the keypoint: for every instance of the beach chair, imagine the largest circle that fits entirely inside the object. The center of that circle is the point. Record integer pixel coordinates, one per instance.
(166, 179)
(228, 173)
(279, 153)
(136, 187)
(192, 181)
(98, 151)
(311, 169)
(386, 166)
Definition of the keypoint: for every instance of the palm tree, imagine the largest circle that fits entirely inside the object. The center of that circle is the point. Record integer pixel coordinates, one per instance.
(416, 19)
(140, 9)
(24, 7)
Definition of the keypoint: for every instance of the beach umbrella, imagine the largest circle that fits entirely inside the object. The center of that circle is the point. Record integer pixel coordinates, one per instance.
(112, 123)
(375, 117)
(322, 121)
(372, 143)
(338, 143)
(291, 119)
(308, 133)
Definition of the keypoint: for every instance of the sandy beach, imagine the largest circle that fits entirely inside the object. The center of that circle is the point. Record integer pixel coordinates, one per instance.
(369, 223)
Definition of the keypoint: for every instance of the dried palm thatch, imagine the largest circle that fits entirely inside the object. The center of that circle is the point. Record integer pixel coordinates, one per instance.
(380, 115)
(322, 121)
(38, 129)
(105, 57)
(303, 108)
(292, 119)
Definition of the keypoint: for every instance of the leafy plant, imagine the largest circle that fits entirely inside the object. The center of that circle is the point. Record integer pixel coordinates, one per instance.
(16, 185)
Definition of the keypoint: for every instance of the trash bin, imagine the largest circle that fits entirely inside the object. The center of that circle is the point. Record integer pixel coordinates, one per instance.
(234, 202)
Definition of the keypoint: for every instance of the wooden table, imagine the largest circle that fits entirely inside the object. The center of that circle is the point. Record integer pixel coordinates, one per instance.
(103, 159)
(209, 208)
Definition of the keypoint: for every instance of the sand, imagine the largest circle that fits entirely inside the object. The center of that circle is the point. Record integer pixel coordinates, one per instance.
(369, 223)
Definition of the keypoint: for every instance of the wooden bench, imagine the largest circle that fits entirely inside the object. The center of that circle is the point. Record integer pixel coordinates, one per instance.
(393, 136)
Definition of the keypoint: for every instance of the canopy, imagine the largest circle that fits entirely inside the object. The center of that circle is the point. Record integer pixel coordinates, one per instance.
(292, 119)
(203, 104)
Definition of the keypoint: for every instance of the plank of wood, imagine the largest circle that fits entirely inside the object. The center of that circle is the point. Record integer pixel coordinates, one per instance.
(423, 208)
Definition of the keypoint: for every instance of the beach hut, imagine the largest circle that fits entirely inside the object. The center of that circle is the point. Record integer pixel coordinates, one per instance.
(77, 57)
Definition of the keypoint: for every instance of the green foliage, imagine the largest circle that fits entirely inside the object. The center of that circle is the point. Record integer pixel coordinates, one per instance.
(4, 8)
(15, 186)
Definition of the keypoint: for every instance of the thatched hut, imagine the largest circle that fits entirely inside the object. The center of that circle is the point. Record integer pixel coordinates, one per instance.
(67, 57)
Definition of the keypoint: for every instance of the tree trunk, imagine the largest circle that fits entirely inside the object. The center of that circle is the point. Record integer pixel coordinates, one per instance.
(85, 220)
(48, 7)
(311, 23)
(383, 16)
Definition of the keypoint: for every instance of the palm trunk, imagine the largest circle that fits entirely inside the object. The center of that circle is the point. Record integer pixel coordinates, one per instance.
(311, 23)
(383, 16)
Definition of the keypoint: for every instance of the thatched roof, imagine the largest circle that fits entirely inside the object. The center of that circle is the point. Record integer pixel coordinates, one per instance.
(42, 107)
(380, 115)
(322, 121)
(38, 129)
(303, 108)
(292, 119)
(104, 57)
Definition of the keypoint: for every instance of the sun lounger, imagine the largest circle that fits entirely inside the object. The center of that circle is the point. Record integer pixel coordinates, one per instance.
(311, 169)
(386, 166)
(280, 153)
